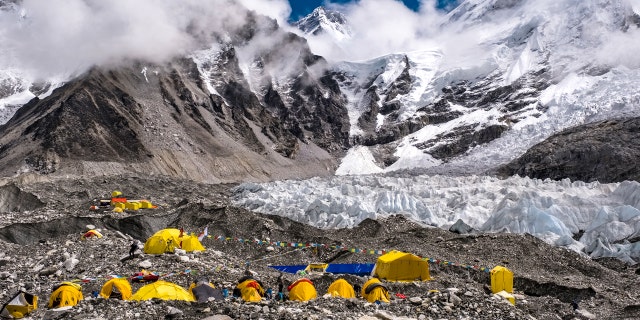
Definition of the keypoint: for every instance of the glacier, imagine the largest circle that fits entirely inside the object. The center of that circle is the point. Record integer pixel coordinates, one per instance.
(595, 219)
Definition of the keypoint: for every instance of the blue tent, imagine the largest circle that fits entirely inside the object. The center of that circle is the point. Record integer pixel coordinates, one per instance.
(360, 269)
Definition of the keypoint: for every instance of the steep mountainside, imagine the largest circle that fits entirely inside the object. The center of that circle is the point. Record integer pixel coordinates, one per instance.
(324, 21)
(495, 78)
(197, 118)
(535, 72)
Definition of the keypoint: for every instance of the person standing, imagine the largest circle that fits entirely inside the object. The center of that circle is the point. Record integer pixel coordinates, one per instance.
(280, 296)
(133, 248)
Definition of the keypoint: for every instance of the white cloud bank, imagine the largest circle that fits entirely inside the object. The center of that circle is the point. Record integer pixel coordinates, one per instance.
(67, 36)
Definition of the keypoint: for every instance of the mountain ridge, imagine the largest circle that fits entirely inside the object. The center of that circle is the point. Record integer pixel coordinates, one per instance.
(402, 111)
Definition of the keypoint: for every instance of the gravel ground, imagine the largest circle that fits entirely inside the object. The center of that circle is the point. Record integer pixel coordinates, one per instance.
(41, 246)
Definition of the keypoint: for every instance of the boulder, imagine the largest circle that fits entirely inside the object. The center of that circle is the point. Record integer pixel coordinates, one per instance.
(461, 228)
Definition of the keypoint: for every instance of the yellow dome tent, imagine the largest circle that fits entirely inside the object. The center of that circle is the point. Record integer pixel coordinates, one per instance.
(66, 294)
(401, 266)
(374, 290)
(116, 288)
(162, 290)
(167, 240)
(501, 280)
(191, 243)
(341, 288)
(250, 290)
(302, 290)
(91, 234)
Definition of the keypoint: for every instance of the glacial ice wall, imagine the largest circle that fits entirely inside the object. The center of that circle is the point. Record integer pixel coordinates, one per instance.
(607, 215)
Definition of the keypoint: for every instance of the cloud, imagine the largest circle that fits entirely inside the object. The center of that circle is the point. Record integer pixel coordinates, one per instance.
(621, 48)
(575, 34)
(68, 36)
(381, 27)
(276, 9)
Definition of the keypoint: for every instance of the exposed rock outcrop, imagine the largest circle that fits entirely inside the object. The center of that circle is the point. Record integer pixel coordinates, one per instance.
(605, 151)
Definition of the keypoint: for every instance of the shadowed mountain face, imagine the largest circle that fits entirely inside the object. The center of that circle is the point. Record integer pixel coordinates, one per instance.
(163, 119)
(605, 151)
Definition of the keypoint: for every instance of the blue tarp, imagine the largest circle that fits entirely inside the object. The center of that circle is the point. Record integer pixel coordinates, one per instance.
(360, 269)
(289, 269)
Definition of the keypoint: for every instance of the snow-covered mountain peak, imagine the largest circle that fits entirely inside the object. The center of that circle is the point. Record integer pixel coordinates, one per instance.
(326, 21)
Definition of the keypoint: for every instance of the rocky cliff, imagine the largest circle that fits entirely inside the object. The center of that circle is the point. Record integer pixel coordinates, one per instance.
(604, 151)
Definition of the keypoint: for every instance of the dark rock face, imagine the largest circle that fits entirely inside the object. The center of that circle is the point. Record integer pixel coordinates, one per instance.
(463, 139)
(13, 199)
(604, 151)
(384, 119)
(98, 121)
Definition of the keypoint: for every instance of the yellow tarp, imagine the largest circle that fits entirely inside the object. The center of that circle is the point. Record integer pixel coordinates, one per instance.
(302, 290)
(21, 305)
(377, 292)
(508, 296)
(250, 290)
(167, 240)
(132, 205)
(316, 267)
(162, 290)
(146, 204)
(67, 294)
(501, 279)
(341, 288)
(401, 266)
(121, 285)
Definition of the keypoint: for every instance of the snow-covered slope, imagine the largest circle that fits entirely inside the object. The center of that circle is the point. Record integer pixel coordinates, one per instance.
(18, 86)
(539, 67)
(597, 219)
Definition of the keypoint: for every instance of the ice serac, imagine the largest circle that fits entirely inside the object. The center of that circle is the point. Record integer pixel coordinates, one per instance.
(602, 220)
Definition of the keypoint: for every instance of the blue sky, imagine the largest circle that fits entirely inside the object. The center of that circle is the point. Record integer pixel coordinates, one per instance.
(301, 8)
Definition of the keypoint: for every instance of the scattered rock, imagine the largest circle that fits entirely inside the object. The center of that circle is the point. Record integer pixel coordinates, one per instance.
(416, 300)
(461, 228)
(586, 314)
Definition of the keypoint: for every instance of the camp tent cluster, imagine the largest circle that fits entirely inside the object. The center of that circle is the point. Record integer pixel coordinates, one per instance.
(393, 266)
(68, 294)
(120, 203)
(167, 240)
